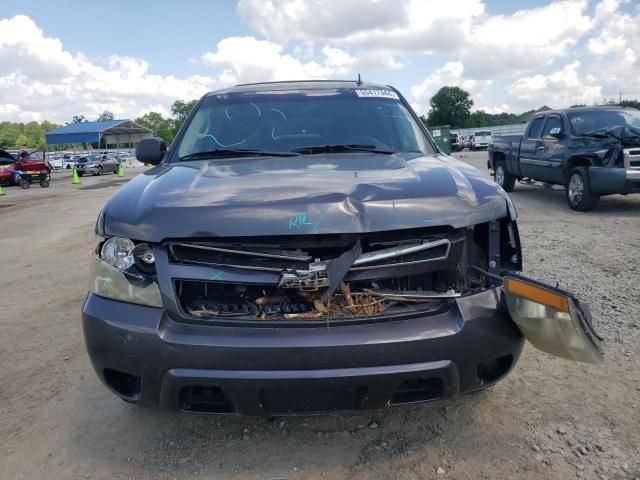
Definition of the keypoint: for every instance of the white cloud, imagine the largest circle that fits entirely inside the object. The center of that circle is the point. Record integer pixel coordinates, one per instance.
(559, 89)
(489, 45)
(48, 82)
(616, 50)
(526, 41)
(430, 26)
(247, 59)
(561, 53)
(283, 20)
(451, 74)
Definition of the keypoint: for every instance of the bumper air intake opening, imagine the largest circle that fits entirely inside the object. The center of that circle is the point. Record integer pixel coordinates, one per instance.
(493, 370)
(126, 385)
(204, 399)
(417, 390)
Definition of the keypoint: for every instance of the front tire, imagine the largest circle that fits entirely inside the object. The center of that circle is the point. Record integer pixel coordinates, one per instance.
(99, 172)
(503, 178)
(579, 194)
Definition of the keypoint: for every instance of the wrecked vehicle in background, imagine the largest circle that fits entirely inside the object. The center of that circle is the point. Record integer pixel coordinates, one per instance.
(591, 151)
(305, 248)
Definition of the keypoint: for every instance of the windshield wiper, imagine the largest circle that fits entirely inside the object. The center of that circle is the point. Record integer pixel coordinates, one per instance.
(340, 148)
(236, 152)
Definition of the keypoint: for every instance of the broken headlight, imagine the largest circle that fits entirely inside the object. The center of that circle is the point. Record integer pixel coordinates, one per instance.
(110, 282)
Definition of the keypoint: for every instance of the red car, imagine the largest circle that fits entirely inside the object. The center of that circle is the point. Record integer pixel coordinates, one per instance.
(35, 165)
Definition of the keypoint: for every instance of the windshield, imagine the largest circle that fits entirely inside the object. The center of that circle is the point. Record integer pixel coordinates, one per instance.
(94, 158)
(583, 122)
(284, 121)
(482, 134)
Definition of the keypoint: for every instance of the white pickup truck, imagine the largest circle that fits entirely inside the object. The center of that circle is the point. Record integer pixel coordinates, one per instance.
(481, 140)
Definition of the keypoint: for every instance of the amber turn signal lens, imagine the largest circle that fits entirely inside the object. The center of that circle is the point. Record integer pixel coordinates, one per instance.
(536, 294)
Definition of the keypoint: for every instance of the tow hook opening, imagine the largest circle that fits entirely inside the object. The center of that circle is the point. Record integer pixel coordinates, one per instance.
(126, 385)
(204, 399)
(493, 370)
(416, 390)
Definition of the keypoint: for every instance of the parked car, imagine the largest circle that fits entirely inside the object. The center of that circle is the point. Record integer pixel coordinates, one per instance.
(56, 162)
(592, 151)
(7, 165)
(97, 164)
(480, 140)
(303, 248)
(33, 166)
(456, 142)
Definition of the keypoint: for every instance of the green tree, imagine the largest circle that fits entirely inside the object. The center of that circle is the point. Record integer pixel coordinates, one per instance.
(78, 119)
(180, 111)
(106, 115)
(22, 141)
(9, 132)
(630, 103)
(160, 126)
(450, 106)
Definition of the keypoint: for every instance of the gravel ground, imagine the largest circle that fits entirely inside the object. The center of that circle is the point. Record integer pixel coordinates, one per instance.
(550, 418)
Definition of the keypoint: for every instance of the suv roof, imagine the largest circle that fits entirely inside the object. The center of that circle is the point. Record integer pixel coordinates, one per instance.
(297, 85)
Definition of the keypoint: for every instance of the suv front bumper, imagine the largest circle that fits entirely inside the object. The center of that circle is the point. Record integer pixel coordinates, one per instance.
(144, 356)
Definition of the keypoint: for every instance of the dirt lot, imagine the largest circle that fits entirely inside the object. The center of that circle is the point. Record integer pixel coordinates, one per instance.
(549, 419)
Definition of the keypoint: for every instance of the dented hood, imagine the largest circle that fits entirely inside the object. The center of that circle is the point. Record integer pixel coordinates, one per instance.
(312, 194)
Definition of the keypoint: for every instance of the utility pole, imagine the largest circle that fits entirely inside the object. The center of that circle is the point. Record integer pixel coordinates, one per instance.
(620, 100)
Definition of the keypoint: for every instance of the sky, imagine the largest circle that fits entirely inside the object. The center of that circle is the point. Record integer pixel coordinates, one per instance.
(78, 57)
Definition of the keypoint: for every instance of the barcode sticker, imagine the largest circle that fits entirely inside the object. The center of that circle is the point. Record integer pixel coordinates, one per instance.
(376, 93)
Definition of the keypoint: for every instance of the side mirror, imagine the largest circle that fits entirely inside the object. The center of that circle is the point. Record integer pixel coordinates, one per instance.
(151, 150)
(556, 132)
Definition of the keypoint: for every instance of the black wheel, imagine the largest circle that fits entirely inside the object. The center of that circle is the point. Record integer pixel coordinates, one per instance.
(25, 184)
(579, 194)
(44, 183)
(503, 178)
(99, 172)
(80, 174)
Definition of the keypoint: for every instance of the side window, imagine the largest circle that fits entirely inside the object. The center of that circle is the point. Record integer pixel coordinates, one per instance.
(552, 122)
(536, 128)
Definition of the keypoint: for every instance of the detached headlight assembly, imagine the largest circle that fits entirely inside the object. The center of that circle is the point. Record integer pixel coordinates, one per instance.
(110, 278)
(552, 320)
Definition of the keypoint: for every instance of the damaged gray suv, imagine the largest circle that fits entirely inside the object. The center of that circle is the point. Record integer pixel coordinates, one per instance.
(305, 248)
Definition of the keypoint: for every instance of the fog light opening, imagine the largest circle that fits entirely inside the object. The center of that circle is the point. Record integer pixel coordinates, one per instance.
(126, 385)
(493, 370)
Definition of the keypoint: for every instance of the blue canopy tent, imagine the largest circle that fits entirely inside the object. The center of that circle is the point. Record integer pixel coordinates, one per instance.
(110, 132)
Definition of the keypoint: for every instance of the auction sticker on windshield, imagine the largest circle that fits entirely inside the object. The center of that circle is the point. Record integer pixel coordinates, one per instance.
(368, 92)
